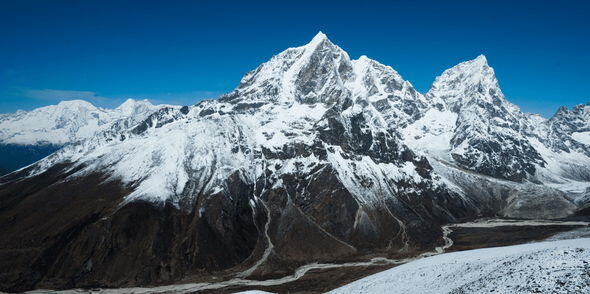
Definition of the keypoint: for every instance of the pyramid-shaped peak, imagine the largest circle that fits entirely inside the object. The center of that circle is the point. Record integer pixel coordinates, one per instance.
(477, 63)
(318, 39)
(466, 81)
(320, 36)
(481, 59)
(130, 102)
(477, 66)
(131, 106)
(76, 103)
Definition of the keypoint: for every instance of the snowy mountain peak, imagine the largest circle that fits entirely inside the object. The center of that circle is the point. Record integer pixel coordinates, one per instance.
(321, 72)
(573, 121)
(580, 109)
(131, 106)
(74, 104)
(488, 134)
(475, 70)
(376, 81)
(67, 122)
(130, 102)
(474, 66)
(364, 58)
(299, 74)
(319, 37)
(481, 59)
(319, 42)
(472, 81)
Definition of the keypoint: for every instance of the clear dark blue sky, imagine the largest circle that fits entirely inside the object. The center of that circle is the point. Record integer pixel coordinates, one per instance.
(182, 51)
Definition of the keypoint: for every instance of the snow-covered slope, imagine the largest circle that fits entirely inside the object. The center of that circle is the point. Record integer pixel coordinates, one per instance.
(546, 267)
(66, 122)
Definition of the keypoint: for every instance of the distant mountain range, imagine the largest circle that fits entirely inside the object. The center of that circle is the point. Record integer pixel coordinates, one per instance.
(314, 157)
(27, 136)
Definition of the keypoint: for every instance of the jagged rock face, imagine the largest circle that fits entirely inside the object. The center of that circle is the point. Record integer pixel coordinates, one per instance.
(564, 139)
(575, 120)
(488, 136)
(306, 160)
(569, 129)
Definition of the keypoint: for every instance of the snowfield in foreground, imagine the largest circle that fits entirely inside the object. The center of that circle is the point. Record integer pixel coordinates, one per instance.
(548, 267)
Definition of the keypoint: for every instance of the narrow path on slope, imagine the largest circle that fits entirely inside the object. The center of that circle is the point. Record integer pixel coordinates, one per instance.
(301, 271)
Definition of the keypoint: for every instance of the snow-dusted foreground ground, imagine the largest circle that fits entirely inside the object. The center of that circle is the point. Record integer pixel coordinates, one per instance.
(561, 266)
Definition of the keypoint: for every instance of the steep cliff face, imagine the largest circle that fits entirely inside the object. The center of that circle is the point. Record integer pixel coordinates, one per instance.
(313, 157)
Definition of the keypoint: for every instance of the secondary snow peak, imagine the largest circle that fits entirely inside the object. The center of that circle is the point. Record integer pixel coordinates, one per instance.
(472, 81)
(78, 103)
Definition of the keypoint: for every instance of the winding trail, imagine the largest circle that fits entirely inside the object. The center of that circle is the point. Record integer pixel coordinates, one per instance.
(301, 271)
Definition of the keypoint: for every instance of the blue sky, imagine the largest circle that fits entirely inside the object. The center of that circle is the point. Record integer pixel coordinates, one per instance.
(182, 51)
